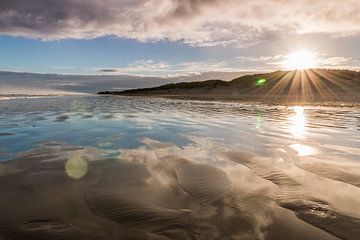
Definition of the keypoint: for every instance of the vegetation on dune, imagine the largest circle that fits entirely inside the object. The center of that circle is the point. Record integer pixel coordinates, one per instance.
(313, 84)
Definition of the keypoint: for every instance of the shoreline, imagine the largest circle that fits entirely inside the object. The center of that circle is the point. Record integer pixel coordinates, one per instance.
(254, 100)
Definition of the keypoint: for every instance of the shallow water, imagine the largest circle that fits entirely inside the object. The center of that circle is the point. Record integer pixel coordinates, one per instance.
(103, 167)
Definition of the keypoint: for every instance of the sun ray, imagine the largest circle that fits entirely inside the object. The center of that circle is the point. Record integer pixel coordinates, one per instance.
(320, 86)
(303, 82)
(280, 86)
(325, 81)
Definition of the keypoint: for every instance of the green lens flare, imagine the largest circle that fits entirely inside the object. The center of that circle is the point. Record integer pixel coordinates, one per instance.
(260, 82)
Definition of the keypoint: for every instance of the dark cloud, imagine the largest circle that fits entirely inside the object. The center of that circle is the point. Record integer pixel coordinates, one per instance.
(108, 70)
(52, 18)
(191, 8)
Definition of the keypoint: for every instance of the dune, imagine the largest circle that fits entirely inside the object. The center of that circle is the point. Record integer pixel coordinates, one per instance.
(299, 86)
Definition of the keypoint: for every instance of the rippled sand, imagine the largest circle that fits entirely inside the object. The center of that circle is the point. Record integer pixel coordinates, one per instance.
(127, 168)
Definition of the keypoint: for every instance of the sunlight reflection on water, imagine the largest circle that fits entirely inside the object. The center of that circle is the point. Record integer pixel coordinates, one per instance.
(298, 123)
(304, 150)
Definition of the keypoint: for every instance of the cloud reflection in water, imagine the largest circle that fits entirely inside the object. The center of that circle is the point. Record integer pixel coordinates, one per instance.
(177, 169)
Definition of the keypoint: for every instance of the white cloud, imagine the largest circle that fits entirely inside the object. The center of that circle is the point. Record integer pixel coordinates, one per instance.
(320, 60)
(334, 61)
(263, 59)
(150, 67)
(196, 22)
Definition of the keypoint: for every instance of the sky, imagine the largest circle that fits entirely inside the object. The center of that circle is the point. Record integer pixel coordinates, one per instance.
(169, 38)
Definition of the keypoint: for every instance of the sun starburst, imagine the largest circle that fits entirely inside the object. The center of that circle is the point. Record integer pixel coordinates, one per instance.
(300, 60)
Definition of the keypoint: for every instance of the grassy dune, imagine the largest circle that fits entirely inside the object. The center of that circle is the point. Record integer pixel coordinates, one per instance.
(307, 86)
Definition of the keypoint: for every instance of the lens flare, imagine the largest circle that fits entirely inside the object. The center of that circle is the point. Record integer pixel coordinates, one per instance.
(76, 167)
(261, 82)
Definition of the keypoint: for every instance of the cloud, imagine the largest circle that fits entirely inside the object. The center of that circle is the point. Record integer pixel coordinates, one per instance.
(335, 61)
(108, 70)
(149, 67)
(195, 22)
(321, 61)
(264, 59)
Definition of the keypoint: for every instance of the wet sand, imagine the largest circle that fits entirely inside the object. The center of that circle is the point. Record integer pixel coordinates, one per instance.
(149, 194)
(221, 171)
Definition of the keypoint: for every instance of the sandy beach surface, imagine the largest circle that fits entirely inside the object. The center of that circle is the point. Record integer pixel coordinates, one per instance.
(133, 168)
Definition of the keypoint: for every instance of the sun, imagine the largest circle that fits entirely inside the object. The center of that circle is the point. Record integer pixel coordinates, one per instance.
(300, 60)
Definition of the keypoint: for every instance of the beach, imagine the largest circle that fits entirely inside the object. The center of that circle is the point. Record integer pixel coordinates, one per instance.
(112, 167)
